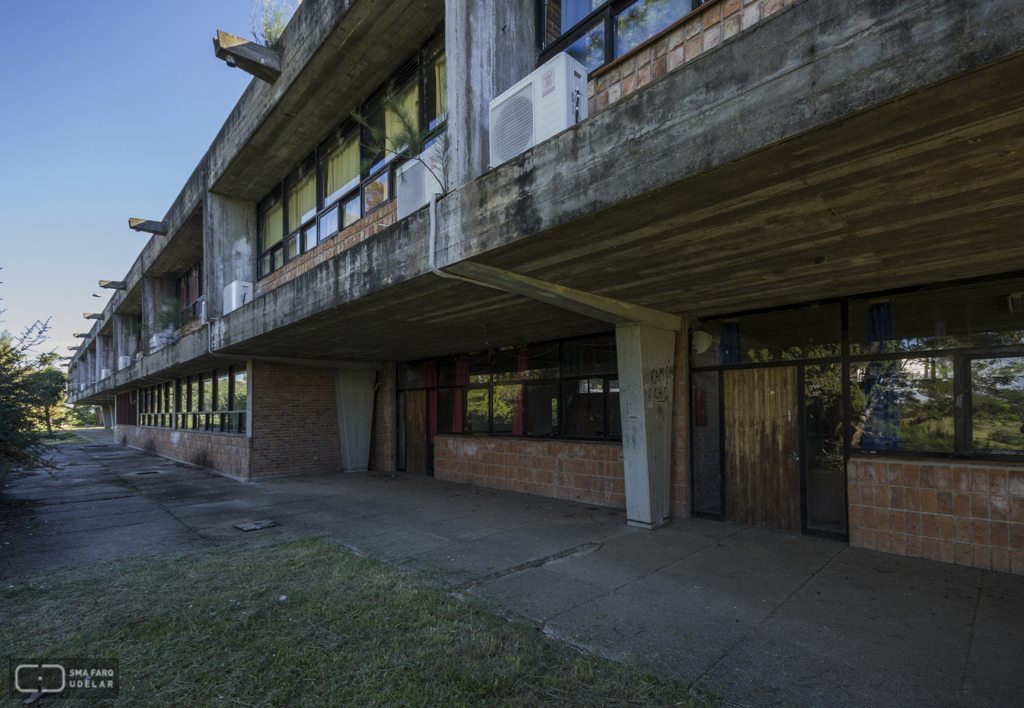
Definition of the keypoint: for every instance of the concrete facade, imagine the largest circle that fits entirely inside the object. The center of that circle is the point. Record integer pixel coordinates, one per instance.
(752, 156)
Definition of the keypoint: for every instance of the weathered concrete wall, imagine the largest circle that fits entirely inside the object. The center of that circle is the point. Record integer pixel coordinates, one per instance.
(490, 45)
(229, 247)
(585, 472)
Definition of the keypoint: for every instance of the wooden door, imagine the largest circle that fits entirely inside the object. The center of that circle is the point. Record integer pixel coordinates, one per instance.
(416, 432)
(762, 443)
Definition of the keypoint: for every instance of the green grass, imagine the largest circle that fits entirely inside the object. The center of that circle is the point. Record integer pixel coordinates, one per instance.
(212, 629)
(65, 437)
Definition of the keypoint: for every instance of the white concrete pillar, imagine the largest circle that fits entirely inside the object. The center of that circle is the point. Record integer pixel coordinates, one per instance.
(353, 395)
(646, 358)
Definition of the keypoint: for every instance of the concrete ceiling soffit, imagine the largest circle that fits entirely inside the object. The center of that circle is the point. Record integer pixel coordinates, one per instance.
(587, 304)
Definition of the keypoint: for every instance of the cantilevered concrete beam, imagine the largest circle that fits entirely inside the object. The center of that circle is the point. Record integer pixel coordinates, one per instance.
(92, 315)
(114, 284)
(150, 227)
(74, 349)
(79, 335)
(600, 308)
(252, 58)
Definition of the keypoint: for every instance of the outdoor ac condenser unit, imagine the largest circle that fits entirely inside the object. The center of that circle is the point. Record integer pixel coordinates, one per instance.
(418, 179)
(236, 294)
(123, 362)
(105, 373)
(548, 101)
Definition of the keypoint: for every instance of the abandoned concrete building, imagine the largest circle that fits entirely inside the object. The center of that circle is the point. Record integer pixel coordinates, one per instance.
(754, 260)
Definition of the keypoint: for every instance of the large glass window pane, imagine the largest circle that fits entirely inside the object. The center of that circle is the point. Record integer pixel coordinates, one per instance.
(272, 225)
(613, 415)
(241, 391)
(983, 315)
(206, 402)
(341, 169)
(405, 119)
(997, 405)
(826, 477)
(302, 201)
(588, 50)
(328, 224)
(435, 98)
(526, 363)
(806, 333)
(352, 213)
(478, 407)
(449, 410)
(508, 409)
(375, 192)
(572, 12)
(583, 403)
(903, 404)
(644, 19)
(223, 400)
(541, 411)
(592, 356)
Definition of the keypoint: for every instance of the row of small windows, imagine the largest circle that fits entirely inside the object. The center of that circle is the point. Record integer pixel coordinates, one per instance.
(343, 180)
(213, 401)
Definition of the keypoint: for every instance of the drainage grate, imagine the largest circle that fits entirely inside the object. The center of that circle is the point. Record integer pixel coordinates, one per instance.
(256, 525)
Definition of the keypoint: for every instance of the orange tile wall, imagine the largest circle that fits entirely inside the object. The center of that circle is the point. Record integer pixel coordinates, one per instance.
(589, 472)
(229, 454)
(968, 514)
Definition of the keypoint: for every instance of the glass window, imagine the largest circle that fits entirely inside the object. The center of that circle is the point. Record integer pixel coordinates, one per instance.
(375, 192)
(584, 404)
(903, 404)
(206, 393)
(508, 409)
(478, 410)
(449, 410)
(826, 470)
(592, 356)
(291, 247)
(341, 169)
(352, 214)
(571, 12)
(328, 224)
(644, 19)
(240, 393)
(223, 392)
(997, 405)
(302, 201)
(522, 363)
(541, 409)
(435, 97)
(272, 225)
(589, 49)
(806, 333)
(403, 120)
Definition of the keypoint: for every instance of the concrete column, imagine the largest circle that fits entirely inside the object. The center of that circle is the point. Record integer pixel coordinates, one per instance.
(229, 247)
(108, 415)
(646, 371)
(105, 353)
(353, 394)
(150, 292)
(490, 45)
(125, 338)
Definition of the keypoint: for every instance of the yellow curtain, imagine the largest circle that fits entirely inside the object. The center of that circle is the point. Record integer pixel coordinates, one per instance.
(272, 230)
(342, 166)
(409, 100)
(301, 199)
(440, 84)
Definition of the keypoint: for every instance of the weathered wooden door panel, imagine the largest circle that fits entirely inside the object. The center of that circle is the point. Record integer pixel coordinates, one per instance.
(762, 440)
(416, 432)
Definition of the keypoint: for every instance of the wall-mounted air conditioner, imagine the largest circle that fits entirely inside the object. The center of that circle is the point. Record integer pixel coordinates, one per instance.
(236, 294)
(548, 101)
(123, 362)
(105, 373)
(418, 179)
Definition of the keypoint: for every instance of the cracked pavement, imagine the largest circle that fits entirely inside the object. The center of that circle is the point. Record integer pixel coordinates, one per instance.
(766, 618)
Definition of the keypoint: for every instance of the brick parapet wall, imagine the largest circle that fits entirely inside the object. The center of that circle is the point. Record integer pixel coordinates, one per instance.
(679, 501)
(968, 514)
(230, 454)
(701, 30)
(580, 471)
(382, 433)
(345, 239)
(294, 420)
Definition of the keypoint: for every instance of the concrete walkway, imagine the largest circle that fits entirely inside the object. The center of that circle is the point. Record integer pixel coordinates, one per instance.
(766, 618)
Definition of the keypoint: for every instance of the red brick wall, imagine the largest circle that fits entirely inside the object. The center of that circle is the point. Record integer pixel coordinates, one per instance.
(679, 502)
(382, 434)
(342, 241)
(968, 514)
(683, 42)
(294, 420)
(229, 454)
(586, 472)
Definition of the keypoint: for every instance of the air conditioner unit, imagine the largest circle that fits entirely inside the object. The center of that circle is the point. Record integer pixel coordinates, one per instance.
(236, 294)
(418, 179)
(548, 101)
(123, 362)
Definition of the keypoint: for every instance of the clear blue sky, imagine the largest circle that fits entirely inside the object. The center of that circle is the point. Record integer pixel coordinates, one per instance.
(105, 109)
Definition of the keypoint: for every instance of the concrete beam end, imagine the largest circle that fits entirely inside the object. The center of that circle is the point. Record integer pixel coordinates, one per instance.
(263, 63)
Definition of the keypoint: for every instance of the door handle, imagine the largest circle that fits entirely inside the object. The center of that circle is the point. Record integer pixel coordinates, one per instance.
(794, 454)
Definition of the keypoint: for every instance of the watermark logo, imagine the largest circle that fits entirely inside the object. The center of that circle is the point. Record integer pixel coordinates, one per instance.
(64, 678)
